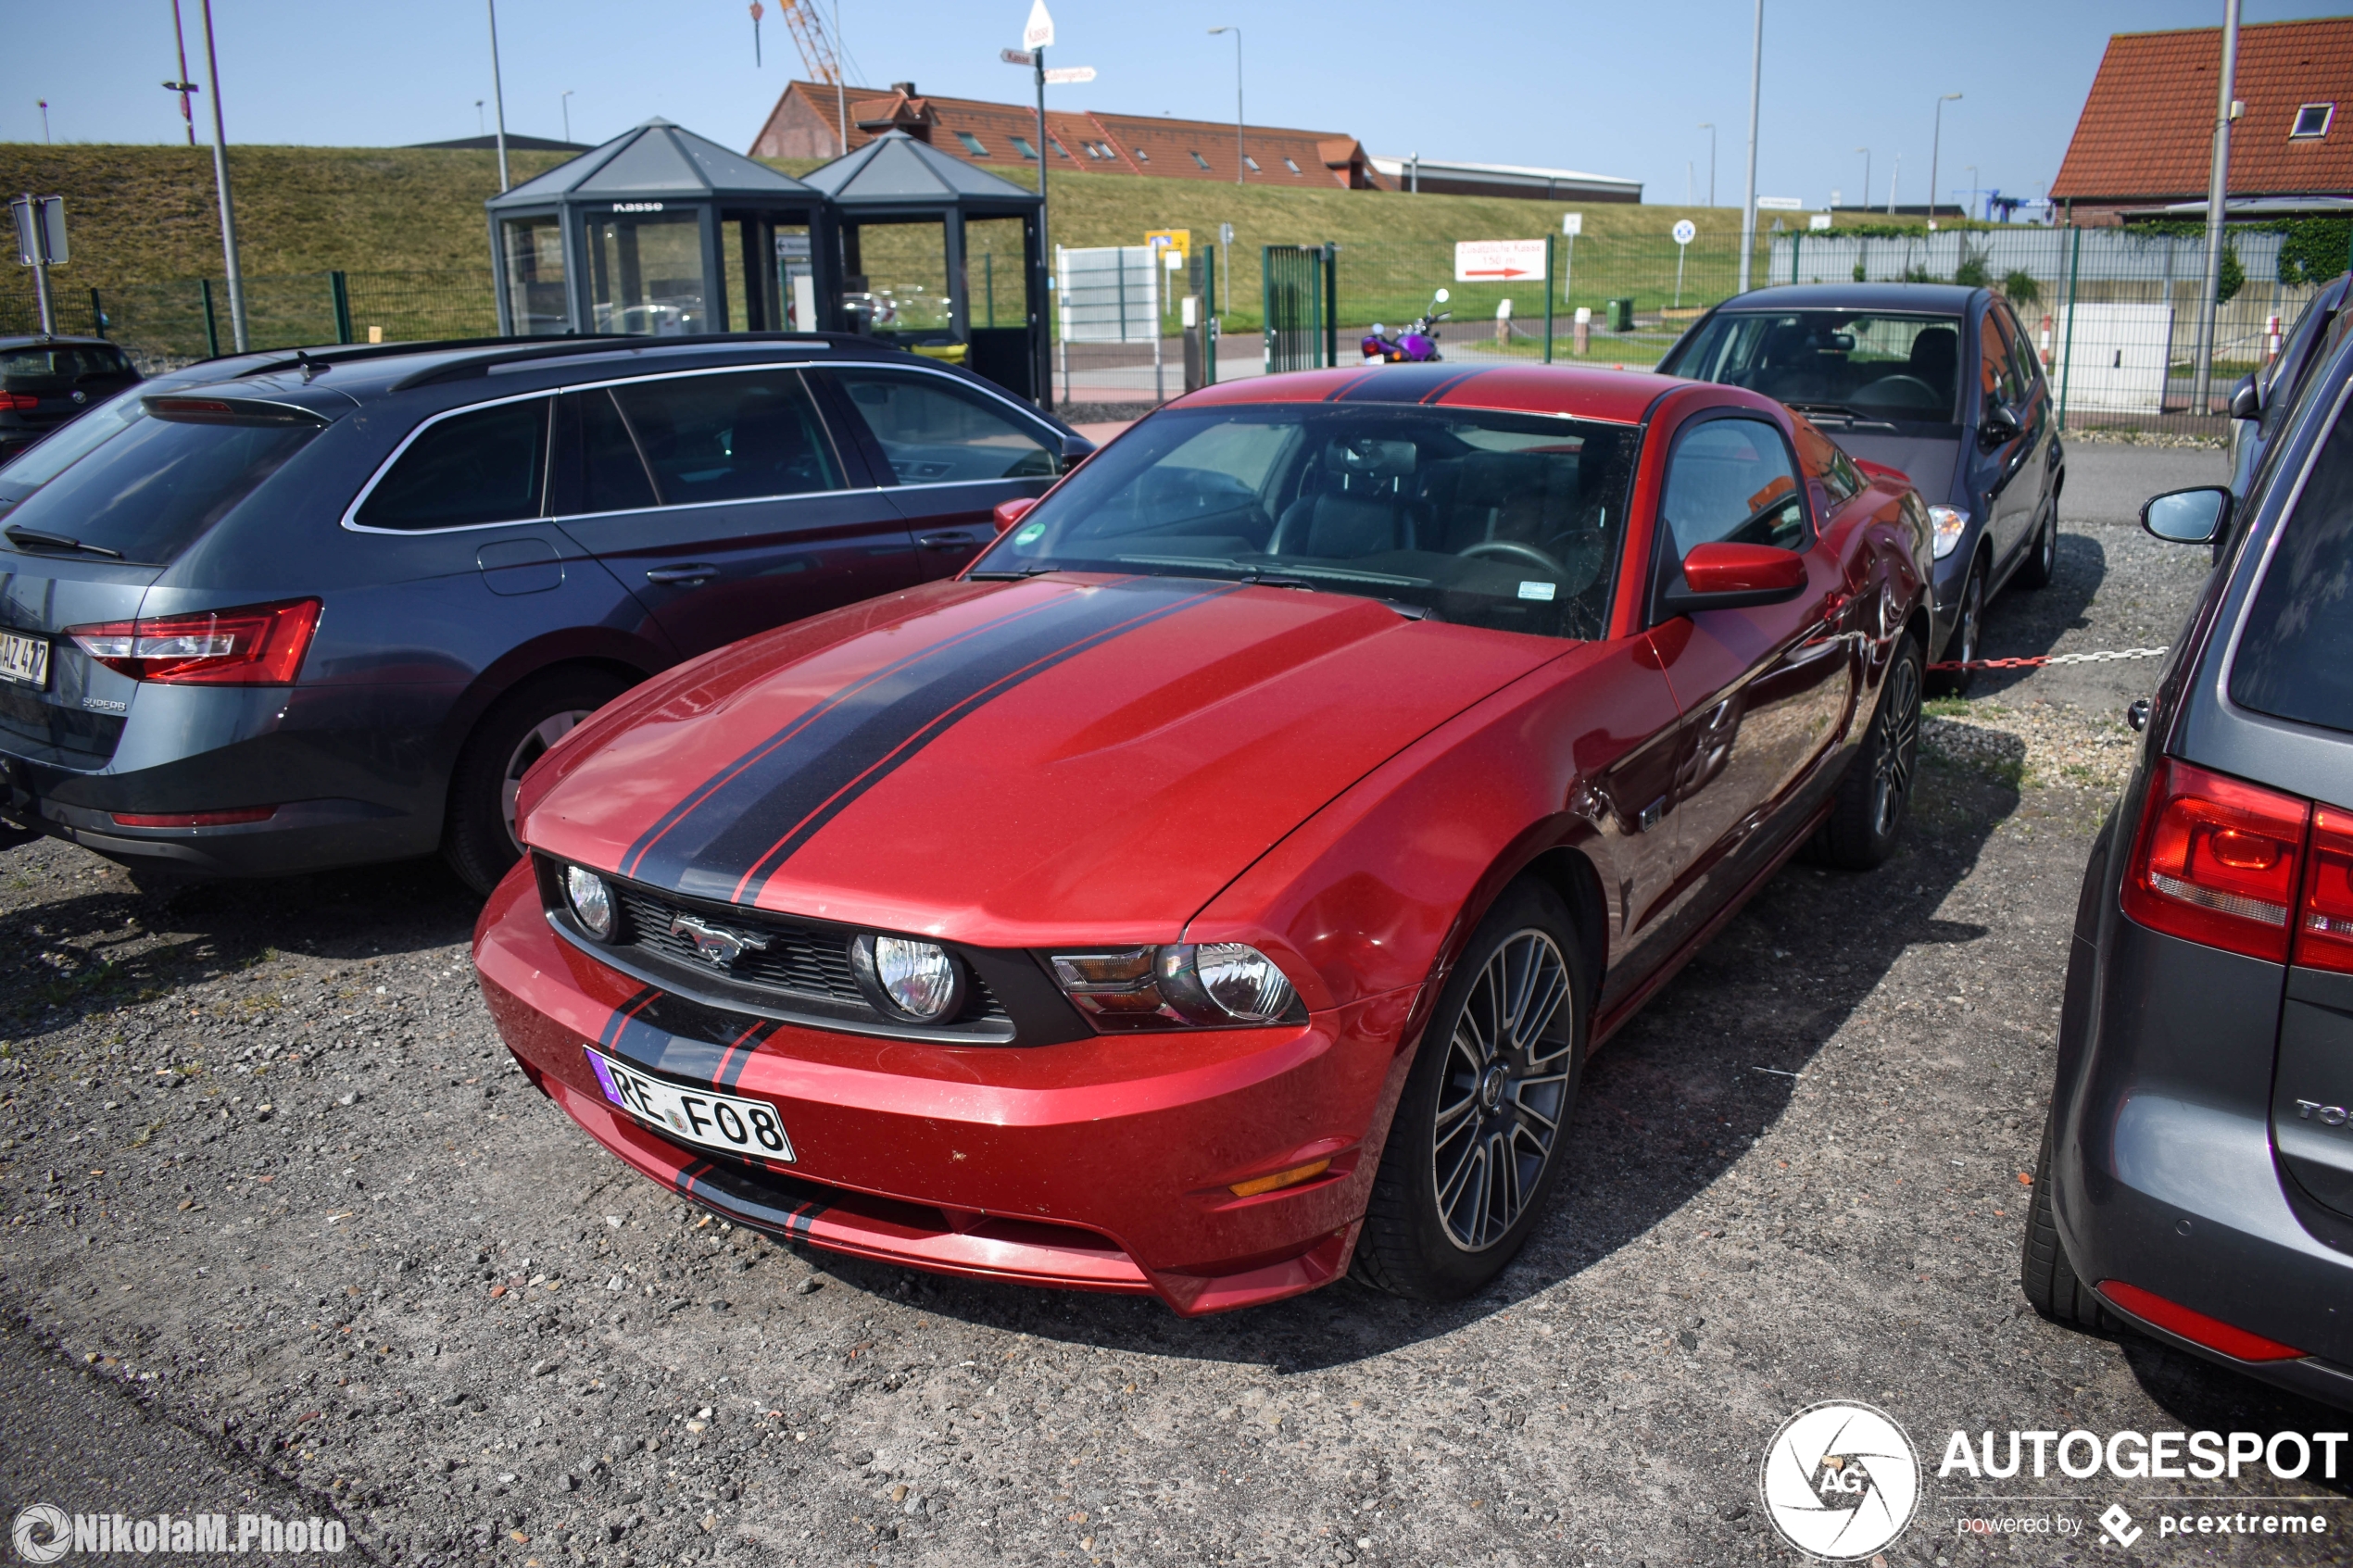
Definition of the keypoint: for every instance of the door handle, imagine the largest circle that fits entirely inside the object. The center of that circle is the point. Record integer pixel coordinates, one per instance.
(955, 539)
(700, 572)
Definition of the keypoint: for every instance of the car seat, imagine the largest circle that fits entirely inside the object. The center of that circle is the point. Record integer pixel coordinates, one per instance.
(1357, 500)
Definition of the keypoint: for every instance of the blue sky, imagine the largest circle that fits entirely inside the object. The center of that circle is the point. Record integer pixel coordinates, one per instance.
(1597, 87)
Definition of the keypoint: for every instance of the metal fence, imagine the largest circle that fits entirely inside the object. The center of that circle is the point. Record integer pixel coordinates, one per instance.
(174, 324)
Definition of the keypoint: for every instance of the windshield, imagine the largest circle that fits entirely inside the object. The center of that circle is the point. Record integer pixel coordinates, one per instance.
(1887, 367)
(1506, 521)
(158, 484)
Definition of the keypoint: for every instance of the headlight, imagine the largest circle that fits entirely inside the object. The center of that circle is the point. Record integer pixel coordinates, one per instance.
(1947, 525)
(915, 982)
(1205, 984)
(591, 901)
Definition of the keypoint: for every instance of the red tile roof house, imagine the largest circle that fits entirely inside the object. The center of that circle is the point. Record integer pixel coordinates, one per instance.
(807, 119)
(2145, 138)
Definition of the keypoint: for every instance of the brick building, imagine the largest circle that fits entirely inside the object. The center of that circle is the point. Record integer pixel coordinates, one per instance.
(808, 119)
(2145, 138)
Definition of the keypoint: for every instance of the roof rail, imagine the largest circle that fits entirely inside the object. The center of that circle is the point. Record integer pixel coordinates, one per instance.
(342, 353)
(565, 348)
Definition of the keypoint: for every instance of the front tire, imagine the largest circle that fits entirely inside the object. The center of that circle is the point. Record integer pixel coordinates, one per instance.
(1967, 634)
(2037, 569)
(1866, 815)
(478, 838)
(1476, 1146)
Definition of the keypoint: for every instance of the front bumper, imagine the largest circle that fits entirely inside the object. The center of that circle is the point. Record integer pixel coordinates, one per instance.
(1099, 1164)
(2163, 1171)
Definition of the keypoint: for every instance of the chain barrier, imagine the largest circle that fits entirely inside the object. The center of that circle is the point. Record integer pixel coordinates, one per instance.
(2036, 661)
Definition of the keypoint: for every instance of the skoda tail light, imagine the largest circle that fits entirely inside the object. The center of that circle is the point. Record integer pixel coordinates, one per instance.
(2217, 861)
(2324, 915)
(258, 646)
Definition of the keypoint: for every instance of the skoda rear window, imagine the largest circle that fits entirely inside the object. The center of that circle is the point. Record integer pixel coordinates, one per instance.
(2295, 657)
(160, 482)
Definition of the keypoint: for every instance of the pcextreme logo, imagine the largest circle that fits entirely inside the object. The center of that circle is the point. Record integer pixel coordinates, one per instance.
(1840, 1480)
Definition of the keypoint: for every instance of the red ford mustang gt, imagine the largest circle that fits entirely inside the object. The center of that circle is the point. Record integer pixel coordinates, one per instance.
(1220, 885)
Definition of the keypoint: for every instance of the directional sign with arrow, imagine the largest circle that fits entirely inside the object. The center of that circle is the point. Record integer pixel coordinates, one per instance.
(1481, 261)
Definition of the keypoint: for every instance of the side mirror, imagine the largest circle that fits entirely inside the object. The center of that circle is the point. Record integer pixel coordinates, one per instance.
(1722, 576)
(2188, 516)
(2247, 398)
(1007, 513)
(1999, 428)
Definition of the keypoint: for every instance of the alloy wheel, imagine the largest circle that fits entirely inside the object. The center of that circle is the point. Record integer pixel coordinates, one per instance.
(1504, 1089)
(533, 746)
(1899, 728)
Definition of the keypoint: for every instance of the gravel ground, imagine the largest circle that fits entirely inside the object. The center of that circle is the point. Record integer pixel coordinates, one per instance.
(280, 1229)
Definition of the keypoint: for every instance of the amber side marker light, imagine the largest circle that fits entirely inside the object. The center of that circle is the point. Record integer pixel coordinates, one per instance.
(1280, 1179)
(2198, 1328)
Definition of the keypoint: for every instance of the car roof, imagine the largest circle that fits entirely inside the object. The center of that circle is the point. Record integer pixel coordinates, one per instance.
(370, 372)
(37, 341)
(1939, 299)
(1581, 392)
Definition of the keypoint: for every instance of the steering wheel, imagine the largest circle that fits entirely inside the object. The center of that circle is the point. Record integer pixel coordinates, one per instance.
(1517, 551)
(1915, 390)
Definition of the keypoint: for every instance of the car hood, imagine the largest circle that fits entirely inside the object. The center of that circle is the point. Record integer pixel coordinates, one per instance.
(1929, 461)
(1004, 764)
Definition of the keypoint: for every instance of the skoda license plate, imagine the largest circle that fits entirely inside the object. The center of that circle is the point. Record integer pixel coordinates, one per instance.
(24, 660)
(698, 1116)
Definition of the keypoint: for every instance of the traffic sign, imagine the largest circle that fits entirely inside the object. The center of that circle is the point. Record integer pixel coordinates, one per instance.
(1781, 204)
(40, 230)
(1017, 56)
(1572, 222)
(1484, 261)
(1685, 231)
(1175, 242)
(1059, 74)
(1040, 33)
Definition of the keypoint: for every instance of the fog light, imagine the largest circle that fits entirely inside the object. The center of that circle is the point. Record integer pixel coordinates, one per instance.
(591, 901)
(917, 982)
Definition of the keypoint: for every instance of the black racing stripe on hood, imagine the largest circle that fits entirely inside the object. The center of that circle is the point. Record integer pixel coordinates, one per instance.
(746, 827)
(697, 797)
(1406, 384)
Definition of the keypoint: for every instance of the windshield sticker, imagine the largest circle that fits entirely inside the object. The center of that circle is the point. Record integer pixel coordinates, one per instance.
(1030, 534)
(1539, 590)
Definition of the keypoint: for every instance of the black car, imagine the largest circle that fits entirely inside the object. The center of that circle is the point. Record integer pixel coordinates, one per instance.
(44, 382)
(2196, 1175)
(299, 610)
(1935, 379)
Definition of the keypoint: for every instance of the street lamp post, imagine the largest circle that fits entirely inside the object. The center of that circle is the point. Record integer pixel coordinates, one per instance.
(1238, 165)
(1709, 126)
(221, 183)
(1936, 146)
(566, 101)
(1972, 191)
(1866, 203)
(2216, 204)
(1748, 192)
(498, 94)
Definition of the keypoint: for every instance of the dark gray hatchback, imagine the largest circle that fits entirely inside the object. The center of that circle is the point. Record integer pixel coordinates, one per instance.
(280, 613)
(2196, 1178)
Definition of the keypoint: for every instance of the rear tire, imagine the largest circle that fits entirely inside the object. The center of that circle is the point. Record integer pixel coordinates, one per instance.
(2045, 1275)
(478, 838)
(2037, 569)
(1868, 812)
(1476, 1144)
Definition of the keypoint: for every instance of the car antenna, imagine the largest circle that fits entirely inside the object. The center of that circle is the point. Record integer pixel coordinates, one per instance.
(312, 369)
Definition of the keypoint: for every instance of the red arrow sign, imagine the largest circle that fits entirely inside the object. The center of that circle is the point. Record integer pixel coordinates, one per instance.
(1496, 272)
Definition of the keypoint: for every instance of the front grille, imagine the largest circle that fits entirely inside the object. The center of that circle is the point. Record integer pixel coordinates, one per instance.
(801, 962)
(798, 959)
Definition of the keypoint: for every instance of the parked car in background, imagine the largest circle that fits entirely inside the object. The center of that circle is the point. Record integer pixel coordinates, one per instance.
(293, 611)
(2196, 1175)
(47, 382)
(2261, 402)
(1938, 380)
(1219, 888)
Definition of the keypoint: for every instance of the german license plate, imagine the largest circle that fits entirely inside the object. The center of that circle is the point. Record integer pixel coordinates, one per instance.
(24, 660)
(729, 1122)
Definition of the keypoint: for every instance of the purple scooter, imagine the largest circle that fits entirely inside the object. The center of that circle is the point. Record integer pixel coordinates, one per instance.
(1417, 345)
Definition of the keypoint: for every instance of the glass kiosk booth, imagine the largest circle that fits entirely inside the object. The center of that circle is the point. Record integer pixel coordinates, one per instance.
(940, 258)
(661, 233)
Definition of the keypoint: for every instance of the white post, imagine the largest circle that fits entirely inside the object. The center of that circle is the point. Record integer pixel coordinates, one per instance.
(221, 183)
(1748, 193)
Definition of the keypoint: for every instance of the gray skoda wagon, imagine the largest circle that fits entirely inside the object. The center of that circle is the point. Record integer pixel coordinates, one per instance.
(285, 612)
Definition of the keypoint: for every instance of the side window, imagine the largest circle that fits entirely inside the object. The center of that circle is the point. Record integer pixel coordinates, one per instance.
(2026, 366)
(1996, 372)
(1732, 481)
(612, 475)
(733, 437)
(2295, 661)
(483, 466)
(1826, 465)
(933, 432)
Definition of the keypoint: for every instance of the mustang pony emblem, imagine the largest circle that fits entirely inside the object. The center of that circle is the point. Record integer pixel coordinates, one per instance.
(715, 944)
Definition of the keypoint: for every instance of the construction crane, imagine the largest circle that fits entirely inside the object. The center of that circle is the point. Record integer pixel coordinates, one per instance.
(816, 45)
